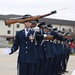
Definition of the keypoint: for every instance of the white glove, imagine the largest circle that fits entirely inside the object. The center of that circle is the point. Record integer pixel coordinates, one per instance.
(45, 35)
(36, 29)
(7, 51)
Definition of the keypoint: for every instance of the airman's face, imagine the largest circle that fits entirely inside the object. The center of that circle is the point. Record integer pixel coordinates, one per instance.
(46, 30)
(33, 25)
(27, 24)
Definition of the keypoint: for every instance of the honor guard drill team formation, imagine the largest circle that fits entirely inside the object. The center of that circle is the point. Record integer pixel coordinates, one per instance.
(43, 50)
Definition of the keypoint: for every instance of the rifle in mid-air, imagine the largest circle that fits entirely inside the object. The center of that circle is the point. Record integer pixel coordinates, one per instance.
(12, 21)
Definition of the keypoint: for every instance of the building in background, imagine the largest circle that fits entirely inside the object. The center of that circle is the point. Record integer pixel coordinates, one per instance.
(9, 31)
(63, 25)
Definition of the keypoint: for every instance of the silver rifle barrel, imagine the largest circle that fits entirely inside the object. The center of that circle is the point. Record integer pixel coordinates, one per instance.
(62, 9)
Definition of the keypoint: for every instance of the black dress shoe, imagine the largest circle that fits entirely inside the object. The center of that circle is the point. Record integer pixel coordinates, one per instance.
(66, 71)
(61, 72)
(58, 74)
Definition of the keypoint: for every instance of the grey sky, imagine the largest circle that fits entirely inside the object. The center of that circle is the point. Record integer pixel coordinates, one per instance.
(39, 7)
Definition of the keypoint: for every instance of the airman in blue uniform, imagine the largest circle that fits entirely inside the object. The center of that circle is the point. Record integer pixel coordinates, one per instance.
(48, 53)
(66, 47)
(25, 41)
(40, 55)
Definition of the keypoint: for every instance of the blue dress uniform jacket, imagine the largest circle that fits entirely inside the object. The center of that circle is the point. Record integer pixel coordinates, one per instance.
(47, 48)
(39, 39)
(27, 49)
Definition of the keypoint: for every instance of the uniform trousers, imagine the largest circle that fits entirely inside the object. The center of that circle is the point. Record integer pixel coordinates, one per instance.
(38, 68)
(25, 68)
(45, 66)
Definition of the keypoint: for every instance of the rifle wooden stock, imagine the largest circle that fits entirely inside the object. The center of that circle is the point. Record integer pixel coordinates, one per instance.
(49, 37)
(68, 37)
(9, 22)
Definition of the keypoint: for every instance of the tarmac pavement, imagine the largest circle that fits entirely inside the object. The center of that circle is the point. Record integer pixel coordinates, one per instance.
(8, 64)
